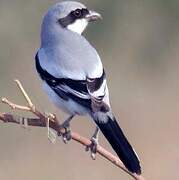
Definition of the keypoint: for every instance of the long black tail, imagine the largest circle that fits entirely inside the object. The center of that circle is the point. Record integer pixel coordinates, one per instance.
(113, 133)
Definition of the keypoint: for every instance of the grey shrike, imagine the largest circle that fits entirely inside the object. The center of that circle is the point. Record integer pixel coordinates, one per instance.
(74, 78)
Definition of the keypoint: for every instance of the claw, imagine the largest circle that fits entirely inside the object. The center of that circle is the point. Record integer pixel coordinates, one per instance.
(66, 136)
(94, 143)
(93, 147)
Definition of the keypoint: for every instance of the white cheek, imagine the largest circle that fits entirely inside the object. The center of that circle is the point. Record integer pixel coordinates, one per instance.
(78, 26)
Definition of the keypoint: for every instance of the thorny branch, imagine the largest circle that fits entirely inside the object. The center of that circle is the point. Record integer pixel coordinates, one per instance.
(42, 120)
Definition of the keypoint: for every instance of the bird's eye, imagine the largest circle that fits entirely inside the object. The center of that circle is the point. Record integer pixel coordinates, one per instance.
(77, 13)
(85, 12)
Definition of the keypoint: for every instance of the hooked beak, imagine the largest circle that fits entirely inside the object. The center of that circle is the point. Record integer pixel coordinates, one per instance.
(93, 16)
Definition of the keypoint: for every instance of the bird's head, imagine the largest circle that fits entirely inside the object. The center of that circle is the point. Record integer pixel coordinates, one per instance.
(70, 15)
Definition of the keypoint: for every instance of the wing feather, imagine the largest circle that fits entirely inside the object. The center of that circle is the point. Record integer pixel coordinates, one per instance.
(89, 92)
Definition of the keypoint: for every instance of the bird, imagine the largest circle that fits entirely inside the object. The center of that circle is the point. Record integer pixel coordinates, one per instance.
(74, 78)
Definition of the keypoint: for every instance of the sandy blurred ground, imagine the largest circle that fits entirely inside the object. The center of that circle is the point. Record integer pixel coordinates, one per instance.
(139, 44)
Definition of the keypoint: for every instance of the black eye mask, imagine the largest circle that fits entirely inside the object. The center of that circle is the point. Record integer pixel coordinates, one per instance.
(73, 16)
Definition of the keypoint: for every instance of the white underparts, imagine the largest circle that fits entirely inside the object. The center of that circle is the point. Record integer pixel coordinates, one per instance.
(78, 26)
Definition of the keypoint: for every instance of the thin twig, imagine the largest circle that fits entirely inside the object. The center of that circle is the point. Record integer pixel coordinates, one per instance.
(24, 93)
(15, 106)
(53, 123)
(30, 105)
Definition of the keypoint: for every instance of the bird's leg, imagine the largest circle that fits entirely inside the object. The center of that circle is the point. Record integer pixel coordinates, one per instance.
(94, 142)
(66, 125)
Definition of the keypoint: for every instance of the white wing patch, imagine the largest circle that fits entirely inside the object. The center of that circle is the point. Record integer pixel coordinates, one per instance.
(99, 92)
(67, 89)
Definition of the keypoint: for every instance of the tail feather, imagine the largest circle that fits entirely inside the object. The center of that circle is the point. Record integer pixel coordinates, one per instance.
(113, 133)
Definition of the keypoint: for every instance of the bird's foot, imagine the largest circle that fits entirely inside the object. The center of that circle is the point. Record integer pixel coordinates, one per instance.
(93, 147)
(66, 136)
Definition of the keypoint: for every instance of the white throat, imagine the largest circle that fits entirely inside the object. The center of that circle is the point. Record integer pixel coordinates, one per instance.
(78, 26)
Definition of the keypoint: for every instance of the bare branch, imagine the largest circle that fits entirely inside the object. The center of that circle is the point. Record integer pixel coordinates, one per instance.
(41, 121)
(30, 104)
(15, 106)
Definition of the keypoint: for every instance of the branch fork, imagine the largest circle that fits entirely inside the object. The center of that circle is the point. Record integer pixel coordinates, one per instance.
(50, 120)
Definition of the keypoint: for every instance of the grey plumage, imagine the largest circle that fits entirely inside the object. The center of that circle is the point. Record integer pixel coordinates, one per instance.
(73, 75)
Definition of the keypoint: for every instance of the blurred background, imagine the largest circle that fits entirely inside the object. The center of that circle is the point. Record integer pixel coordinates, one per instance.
(138, 42)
